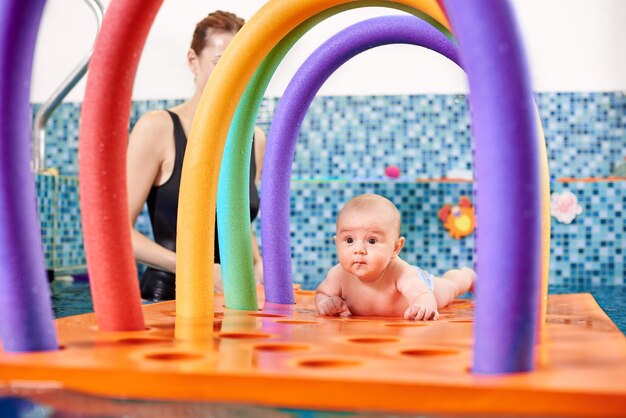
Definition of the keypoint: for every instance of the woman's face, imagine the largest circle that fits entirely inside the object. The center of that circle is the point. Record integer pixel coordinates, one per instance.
(202, 65)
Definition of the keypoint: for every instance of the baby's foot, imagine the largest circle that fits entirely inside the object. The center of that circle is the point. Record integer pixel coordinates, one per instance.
(471, 274)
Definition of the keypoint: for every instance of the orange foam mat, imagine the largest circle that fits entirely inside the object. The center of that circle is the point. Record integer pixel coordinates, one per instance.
(289, 357)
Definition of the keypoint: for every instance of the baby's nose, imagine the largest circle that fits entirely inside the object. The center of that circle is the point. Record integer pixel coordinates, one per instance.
(359, 247)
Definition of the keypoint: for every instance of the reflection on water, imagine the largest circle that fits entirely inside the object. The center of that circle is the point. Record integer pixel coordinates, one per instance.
(612, 300)
(70, 298)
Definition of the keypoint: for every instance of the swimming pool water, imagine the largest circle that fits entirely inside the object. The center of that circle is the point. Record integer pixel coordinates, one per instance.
(73, 298)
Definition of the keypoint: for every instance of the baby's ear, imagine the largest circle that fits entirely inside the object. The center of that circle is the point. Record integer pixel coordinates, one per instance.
(397, 246)
(335, 239)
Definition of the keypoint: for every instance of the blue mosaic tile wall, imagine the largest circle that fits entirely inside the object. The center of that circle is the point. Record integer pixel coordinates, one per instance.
(344, 146)
(589, 251)
(61, 228)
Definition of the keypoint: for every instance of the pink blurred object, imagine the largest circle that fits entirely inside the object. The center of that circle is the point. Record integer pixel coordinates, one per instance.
(392, 171)
(564, 206)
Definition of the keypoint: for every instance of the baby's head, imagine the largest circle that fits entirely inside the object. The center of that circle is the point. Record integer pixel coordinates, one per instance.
(368, 235)
(383, 208)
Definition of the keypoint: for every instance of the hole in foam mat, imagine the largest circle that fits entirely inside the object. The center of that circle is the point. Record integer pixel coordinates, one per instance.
(243, 335)
(266, 315)
(406, 324)
(141, 341)
(372, 340)
(295, 322)
(172, 356)
(461, 320)
(281, 347)
(328, 363)
(427, 352)
(95, 328)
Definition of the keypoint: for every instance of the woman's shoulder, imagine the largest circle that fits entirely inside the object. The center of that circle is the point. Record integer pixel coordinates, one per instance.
(154, 121)
(152, 135)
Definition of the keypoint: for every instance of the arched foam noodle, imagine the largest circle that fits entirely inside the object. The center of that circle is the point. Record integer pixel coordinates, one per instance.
(291, 110)
(217, 108)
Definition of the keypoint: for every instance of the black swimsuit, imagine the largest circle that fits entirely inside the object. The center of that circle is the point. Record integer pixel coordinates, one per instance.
(162, 202)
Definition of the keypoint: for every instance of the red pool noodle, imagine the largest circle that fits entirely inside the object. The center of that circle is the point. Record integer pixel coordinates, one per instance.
(102, 164)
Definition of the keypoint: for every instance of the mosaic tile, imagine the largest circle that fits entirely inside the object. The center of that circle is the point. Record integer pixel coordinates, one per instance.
(354, 138)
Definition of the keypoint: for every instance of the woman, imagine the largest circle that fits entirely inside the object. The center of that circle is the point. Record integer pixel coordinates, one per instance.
(154, 165)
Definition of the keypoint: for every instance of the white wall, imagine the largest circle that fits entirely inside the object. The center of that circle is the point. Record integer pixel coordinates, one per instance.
(573, 45)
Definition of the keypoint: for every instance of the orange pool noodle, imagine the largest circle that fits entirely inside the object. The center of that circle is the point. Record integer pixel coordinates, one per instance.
(207, 138)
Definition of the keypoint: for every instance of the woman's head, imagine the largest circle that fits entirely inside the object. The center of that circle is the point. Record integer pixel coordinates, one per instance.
(218, 21)
(210, 38)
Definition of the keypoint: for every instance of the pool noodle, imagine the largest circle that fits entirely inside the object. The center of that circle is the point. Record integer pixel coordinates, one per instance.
(209, 130)
(232, 193)
(26, 317)
(102, 164)
(506, 163)
(292, 108)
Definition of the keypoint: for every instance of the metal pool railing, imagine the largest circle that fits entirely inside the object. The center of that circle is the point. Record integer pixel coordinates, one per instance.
(38, 163)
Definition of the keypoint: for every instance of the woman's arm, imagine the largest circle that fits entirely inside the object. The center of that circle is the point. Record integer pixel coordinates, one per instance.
(146, 153)
(259, 153)
(256, 258)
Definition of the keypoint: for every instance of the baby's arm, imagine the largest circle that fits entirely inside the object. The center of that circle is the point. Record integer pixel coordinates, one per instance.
(422, 302)
(328, 295)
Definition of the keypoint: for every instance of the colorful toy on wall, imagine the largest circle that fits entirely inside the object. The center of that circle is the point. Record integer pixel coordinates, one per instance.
(459, 220)
(564, 206)
(392, 171)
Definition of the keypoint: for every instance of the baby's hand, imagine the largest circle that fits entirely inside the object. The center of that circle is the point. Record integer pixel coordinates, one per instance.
(423, 308)
(333, 305)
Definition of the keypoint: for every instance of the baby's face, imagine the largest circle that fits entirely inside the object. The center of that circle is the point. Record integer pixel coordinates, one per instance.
(366, 243)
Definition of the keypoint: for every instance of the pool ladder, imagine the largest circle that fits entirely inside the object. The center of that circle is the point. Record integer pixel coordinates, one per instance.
(38, 162)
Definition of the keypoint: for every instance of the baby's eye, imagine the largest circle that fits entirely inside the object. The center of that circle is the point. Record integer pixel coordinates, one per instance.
(371, 240)
(349, 240)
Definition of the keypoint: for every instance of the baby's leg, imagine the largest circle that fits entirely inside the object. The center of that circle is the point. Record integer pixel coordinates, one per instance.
(452, 284)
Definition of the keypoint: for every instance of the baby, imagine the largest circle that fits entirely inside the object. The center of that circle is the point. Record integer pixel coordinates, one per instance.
(371, 279)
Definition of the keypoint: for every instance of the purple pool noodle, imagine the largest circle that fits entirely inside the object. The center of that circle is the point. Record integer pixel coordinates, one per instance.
(26, 319)
(508, 189)
(290, 112)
